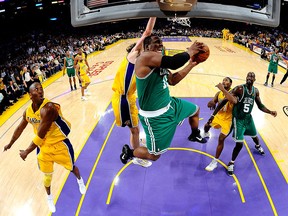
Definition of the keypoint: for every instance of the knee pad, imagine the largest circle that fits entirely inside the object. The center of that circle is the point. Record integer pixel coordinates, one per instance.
(47, 180)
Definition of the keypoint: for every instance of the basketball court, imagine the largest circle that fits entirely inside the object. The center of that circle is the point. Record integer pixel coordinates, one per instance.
(176, 184)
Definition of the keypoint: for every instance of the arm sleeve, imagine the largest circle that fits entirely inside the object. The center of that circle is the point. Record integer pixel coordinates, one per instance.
(176, 61)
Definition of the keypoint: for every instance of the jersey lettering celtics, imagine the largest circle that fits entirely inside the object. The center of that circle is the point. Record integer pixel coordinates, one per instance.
(245, 104)
(153, 92)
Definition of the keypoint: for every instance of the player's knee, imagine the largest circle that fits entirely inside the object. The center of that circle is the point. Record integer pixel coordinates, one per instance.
(47, 180)
(154, 157)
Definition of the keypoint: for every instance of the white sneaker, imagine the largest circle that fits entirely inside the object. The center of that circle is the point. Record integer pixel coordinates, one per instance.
(87, 93)
(205, 135)
(51, 205)
(212, 165)
(83, 98)
(141, 162)
(82, 187)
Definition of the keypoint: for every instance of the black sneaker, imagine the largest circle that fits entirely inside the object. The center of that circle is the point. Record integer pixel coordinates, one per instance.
(272, 84)
(260, 150)
(197, 138)
(75, 87)
(265, 84)
(126, 154)
(230, 169)
(124, 158)
(126, 150)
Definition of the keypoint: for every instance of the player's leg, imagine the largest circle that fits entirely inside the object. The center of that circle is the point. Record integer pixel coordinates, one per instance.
(284, 77)
(267, 78)
(45, 165)
(238, 136)
(252, 132)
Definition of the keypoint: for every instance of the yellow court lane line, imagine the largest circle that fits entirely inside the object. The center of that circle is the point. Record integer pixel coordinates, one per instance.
(94, 168)
(115, 180)
(180, 149)
(261, 179)
(76, 157)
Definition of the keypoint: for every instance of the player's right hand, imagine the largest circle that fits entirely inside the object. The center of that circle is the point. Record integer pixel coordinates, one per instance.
(6, 147)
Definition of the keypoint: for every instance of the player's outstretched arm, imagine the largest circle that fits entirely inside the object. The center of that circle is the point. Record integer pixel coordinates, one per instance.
(262, 106)
(18, 131)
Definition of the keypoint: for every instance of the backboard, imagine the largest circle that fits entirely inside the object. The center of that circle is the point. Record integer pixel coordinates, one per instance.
(89, 12)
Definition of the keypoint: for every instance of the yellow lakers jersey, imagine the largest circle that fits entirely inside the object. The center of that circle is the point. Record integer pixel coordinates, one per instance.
(59, 129)
(82, 67)
(227, 109)
(82, 56)
(125, 81)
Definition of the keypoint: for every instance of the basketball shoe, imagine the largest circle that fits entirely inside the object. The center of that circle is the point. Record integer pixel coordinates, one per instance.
(212, 165)
(81, 185)
(197, 137)
(230, 169)
(260, 149)
(51, 205)
(141, 162)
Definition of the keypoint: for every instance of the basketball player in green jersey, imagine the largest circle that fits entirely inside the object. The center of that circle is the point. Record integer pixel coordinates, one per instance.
(69, 64)
(160, 113)
(273, 66)
(243, 97)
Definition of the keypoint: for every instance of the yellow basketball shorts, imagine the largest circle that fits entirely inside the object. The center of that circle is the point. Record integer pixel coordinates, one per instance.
(61, 153)
(85, 79)
(125, 110)
(222, 121)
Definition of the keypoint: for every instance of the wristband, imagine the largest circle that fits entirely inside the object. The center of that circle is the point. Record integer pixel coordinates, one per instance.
(37, 140)
(212, 115)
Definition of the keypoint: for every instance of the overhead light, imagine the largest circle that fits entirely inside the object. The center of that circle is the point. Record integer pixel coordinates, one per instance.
(38, 4)
(3, 10)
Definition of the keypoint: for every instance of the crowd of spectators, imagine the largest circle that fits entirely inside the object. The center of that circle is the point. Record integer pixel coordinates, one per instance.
(36, 56)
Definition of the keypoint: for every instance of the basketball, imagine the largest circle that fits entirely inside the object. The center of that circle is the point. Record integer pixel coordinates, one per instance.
(202, 55)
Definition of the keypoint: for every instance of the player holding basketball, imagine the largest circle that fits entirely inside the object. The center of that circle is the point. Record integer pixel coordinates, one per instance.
(124, 97)
(223, 119)
(159, 113)
(53, 146)
(243, 97)
(69, 64)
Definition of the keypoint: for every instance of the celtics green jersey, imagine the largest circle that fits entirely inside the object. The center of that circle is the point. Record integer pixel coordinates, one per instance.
(153, 92)
(69, 62)
(274, 59)
(244, 107)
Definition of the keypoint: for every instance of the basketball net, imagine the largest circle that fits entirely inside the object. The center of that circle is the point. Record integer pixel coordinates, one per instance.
(184, 21)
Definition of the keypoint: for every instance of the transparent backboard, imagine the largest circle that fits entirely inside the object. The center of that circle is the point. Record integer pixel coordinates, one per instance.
(261, 12)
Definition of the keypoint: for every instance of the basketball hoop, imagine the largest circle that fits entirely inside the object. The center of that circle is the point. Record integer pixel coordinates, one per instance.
(184, 21)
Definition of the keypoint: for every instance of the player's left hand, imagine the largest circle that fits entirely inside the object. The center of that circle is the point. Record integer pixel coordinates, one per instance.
(273, 113)
(220, 86)
(23, 154)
